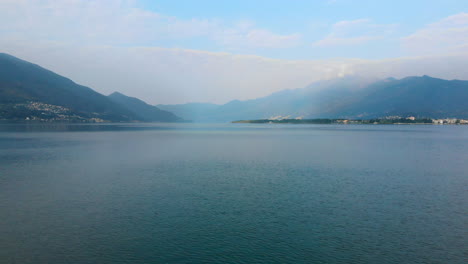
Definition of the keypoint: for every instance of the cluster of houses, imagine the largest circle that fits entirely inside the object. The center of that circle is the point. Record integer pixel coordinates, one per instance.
(398, 119)
(446, 121)
(449, 121)
(47, 108)
(53, 113)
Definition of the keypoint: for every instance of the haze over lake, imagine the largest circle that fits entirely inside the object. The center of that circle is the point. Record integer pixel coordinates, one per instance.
(233, 193)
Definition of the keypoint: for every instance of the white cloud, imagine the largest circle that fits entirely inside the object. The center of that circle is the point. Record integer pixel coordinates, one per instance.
(256, 38)
(449, 35)
(354, 32)
(108, 46)
(337, 41)
(442, 66)
(162, 75)
(120, 22)
(167, 75)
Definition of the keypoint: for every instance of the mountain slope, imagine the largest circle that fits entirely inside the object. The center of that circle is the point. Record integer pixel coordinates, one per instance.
(142, 110)
(22, 83)
(28, 91)
(420, 96)
(352, 98)
(191, 111)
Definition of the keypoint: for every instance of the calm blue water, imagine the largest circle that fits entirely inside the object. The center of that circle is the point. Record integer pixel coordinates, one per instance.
(233, 193)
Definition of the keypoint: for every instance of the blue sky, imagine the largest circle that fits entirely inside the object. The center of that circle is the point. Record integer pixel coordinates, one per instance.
(177, 51)
(312, 20)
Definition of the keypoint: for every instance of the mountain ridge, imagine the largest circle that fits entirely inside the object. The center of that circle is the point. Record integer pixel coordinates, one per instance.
(31, 92)
(142, 110)
(351, 97)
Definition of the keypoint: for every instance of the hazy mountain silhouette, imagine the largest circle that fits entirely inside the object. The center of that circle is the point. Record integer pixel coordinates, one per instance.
(192, 111)
(142, 110)
(28, 90)
(348, 97)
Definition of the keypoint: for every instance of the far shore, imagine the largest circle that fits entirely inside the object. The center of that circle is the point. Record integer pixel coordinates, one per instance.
(376, 121)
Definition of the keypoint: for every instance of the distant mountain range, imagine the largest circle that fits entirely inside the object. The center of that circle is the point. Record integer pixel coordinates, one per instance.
(30, 92)
(198, 112)
(348, 97)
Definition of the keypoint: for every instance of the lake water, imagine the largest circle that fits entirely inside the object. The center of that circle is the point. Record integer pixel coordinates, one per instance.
(233, 193)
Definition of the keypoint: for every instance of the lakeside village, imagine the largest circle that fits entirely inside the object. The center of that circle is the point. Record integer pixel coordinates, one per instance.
(395, 120)
(41, 112)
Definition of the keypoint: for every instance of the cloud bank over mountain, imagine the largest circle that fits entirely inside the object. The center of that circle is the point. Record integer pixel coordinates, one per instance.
(121, 45)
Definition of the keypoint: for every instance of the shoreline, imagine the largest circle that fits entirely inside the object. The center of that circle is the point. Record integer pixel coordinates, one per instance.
(377, 121)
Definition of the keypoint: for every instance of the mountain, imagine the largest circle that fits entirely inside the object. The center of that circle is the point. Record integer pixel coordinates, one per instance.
(191, 111)
(142, 110)
(28, 91)
(350, 97)
(419, 96)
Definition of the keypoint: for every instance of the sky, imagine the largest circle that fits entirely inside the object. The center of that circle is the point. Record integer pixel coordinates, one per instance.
(178, 51)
